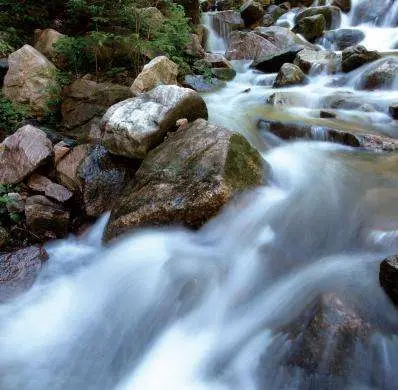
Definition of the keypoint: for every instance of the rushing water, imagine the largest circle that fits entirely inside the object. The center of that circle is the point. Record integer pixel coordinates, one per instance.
(174, 309)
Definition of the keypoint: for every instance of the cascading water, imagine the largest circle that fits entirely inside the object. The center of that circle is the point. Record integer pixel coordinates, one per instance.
(211, 310)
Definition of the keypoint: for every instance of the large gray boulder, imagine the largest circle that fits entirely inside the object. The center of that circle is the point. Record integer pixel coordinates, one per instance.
(22, 153)
(325, 61)
(187, 179)
(289, 75)
(135, 126)
(251, 12)
(331, 14)
(382, 74)
(311, 27)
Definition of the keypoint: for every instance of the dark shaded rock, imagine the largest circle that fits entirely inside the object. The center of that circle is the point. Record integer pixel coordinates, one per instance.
(135, 126)
(203, 84)
(85, 100)
(331, 14)
(3, 69)
(46, 219)
(272, 62)
(187, 179)
(289, 75)
(344, 5)
(22, 153)
(327, 114)
(18, 270)
(192, 9)
(393, 110)
(344, 38)
(251, 12)
(388, 277)
(225, 74)
(102, 177)
(311, 27)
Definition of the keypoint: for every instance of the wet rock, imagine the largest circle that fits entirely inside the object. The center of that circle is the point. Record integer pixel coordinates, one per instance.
(388, 276)
(366, 11)
(289, 75)
(321, 61)
(327, 114)
(344, 38)
(135, 126)
(311, 27)
(46, 39)
(251, 12)
(331, 14)
(272, 62)
(225, 74)
(324, 337)
(203, 84)
(272, 14)
(18, 270)
(86, 101)
(187, 179)
(215, 60)
(159, 71)
(102, 177)
(382, 74)
(290, 130)
(22, 153)
(393, 110)
(30, 80)
(356, 56)
(46, 219)
(50, 189)
(66, 169)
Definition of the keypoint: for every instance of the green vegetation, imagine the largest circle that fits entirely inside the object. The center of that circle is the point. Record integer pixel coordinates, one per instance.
(10, 115)
(8, 218)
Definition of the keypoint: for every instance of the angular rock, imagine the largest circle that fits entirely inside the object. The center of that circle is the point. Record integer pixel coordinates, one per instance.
(194, 48)
(19, 269)
(311, 27)
(251, 12)
(187, 179)
(331, 14)
(61, 149)
(160, 71)
(248, 45)
(382, 74)
(101, 179)
(46, 219)
(66, 169)
(50, 189)
(135, 126)
(22, 153)
(215, 60)
(85, 101)
(271, 63)
(289, 75)
(30, 80)
(310, 60)
(388, 277)
(356, 56)
(225, 74)
(46, 39)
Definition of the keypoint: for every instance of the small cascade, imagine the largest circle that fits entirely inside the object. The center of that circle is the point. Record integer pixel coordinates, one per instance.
(218, 32)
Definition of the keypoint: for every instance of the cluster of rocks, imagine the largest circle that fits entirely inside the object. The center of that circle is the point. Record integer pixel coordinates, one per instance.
(144, 152)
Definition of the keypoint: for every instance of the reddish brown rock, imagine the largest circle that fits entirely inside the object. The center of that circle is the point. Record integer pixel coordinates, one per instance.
(50, 189)
(22, 153)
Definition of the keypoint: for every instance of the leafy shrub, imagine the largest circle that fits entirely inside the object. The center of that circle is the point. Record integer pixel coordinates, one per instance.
(11, 114)
(8, 218)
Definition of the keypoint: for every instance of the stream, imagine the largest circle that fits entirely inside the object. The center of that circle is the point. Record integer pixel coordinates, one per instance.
(174, 309)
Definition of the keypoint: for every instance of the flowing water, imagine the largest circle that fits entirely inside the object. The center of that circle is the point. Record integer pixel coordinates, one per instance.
(208, 310)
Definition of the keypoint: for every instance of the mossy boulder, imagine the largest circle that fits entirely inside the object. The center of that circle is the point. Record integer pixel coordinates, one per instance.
(187, 179)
